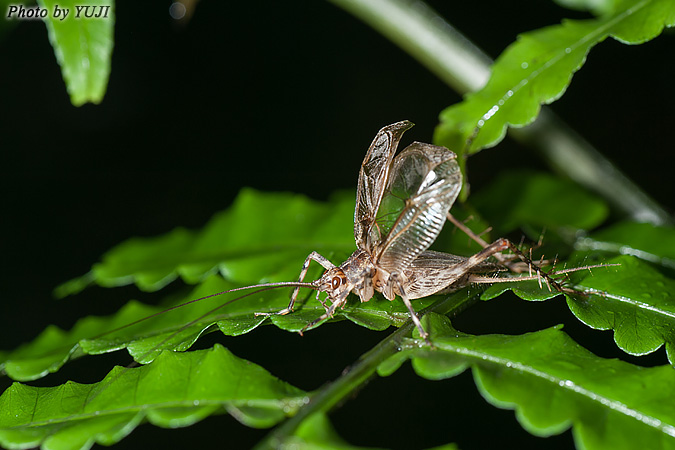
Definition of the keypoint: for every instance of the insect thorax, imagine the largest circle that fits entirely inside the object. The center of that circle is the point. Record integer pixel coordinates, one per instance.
(355, 275)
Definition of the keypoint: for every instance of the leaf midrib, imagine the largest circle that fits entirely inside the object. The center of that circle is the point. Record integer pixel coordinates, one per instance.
(629, 301)
(564, 384)
(602, 29)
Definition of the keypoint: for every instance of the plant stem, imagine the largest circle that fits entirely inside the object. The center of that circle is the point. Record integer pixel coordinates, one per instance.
(427, 37)
(363, 369)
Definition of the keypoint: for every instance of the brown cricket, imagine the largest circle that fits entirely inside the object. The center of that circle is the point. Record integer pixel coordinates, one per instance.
(402, 204)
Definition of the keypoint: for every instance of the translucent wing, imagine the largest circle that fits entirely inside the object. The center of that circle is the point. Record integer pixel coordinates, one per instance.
(372, 182)
(433, 272)
(423, 184)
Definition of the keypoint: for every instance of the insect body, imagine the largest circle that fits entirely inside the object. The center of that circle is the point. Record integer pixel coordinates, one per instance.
(401, 206)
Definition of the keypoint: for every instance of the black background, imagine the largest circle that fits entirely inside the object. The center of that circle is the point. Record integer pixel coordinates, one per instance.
(283, 96)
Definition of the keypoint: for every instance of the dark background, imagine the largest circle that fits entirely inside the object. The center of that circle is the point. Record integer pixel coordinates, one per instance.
(287, 97)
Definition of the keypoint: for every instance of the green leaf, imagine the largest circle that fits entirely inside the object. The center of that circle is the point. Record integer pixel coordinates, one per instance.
(251, 241)
(83, 47)
(635, 301)
(631, 298)
(537, 69)
(649, 242)
(541, 200)
(553, 384)
(179, 329)
(527, 290)
(177, 390)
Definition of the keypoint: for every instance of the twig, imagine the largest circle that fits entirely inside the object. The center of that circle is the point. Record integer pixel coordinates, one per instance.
(363, 369)
(427, 37)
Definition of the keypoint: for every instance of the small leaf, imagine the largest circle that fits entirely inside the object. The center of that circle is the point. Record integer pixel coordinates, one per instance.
(554, 384)
(177, 390)
(83, 46)
(652, 243)
(537, 69)
(263, 236)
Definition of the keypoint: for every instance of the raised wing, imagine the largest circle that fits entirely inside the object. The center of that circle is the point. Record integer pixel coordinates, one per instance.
(372, 182)
(423, 184)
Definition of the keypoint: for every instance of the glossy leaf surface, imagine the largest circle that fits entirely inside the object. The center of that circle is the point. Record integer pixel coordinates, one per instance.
(537, 69)
(177, 390)
(553, 384)
(645, 241)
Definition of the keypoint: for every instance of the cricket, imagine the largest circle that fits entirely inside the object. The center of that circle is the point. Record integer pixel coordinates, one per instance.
(402, 204)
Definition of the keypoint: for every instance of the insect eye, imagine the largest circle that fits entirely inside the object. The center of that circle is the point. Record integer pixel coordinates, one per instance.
(336, 282)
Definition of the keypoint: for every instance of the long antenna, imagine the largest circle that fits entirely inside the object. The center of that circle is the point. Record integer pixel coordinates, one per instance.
(264, 285)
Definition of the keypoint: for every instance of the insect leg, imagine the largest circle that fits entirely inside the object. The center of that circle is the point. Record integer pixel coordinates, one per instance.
(531, 265)
(514, 266)
(476, 238)
(327, 315)
(503, 244)
(395, 279)
(314, 256)
(467, 230)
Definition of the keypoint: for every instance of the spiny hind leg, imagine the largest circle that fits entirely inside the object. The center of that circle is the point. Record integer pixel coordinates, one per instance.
(314, 256)
(537, 268)
(502, 244)
(505, 260)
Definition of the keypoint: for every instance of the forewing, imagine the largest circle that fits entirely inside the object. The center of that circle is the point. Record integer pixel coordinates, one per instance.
(372, 182)
(423, 184)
